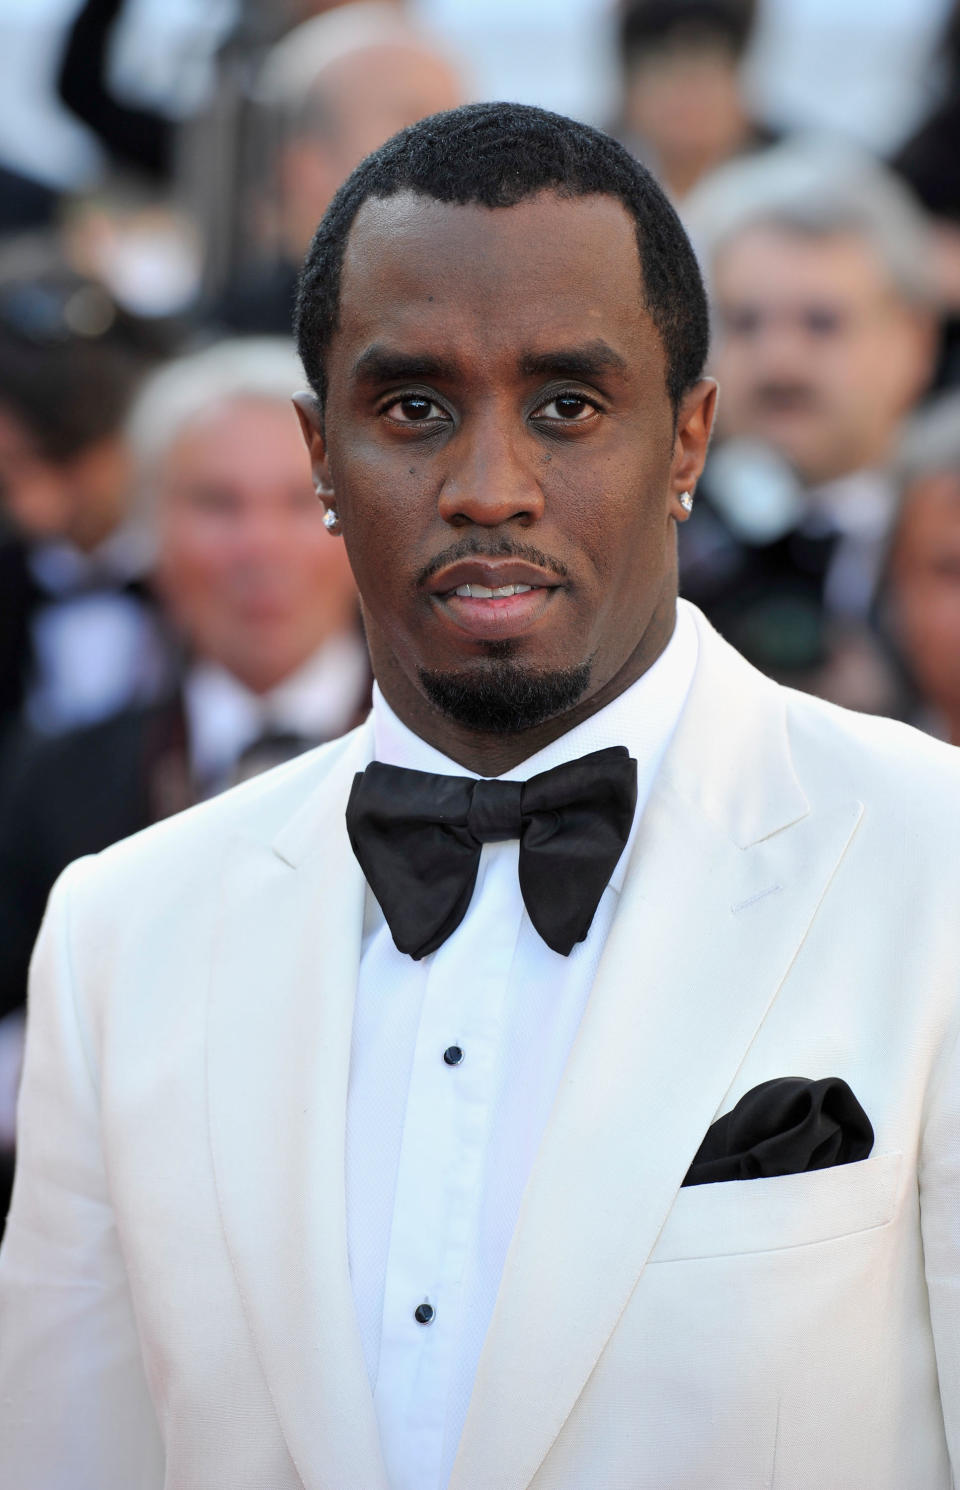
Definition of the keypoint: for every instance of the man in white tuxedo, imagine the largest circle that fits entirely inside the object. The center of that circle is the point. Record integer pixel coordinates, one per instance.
(626, 1152)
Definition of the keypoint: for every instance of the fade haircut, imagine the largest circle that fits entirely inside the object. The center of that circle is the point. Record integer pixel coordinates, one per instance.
(496, 155)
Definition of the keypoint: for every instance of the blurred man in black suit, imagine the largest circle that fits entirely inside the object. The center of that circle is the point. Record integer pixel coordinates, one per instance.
(79, 630)
(824, 340)
(266, 607)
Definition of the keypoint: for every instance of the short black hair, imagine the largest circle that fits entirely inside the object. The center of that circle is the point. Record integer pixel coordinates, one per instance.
(496, 155)
(650, 27)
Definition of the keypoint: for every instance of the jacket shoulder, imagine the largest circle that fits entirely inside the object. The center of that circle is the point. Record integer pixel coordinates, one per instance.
(891, 767)
(182, 851)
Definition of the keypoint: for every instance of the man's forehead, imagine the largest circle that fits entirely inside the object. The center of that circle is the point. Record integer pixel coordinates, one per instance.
(412, 230)
(409, 210)
(416, 268)
(769, 250)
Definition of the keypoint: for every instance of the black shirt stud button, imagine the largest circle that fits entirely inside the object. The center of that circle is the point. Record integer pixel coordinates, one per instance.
(424, 1313)
(453, 1055)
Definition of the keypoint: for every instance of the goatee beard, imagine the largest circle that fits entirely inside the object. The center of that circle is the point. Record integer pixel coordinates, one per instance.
(504, 698)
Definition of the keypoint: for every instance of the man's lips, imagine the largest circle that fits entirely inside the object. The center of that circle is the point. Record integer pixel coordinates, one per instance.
(772, 398)
(490, 574)
(462, 594)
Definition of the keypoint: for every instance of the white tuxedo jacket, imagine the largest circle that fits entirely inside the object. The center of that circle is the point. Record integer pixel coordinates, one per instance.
(176, 1305)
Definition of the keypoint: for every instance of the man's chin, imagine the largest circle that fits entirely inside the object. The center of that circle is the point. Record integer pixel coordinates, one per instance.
(503, 698)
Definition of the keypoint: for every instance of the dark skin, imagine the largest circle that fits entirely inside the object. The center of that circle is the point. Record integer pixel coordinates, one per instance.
(498, 416)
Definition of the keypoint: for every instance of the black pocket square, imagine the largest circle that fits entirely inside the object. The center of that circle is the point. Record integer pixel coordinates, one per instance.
(786, 1126)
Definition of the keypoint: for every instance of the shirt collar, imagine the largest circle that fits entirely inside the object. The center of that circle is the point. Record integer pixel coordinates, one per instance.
(859, 505)
(61, 569)
(318, 701)
(643, 718)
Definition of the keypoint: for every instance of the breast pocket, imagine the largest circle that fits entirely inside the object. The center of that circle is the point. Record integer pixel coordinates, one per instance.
(791, 1210)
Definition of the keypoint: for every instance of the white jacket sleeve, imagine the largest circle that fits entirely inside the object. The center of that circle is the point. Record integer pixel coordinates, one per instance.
(74, 1405)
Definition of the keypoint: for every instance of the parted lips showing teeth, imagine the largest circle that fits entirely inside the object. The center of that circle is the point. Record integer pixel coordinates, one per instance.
(492, 577)
(481, 592)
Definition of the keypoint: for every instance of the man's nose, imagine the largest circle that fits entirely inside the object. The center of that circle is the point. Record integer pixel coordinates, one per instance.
(782, 343)
(493, 476)
(263, 532)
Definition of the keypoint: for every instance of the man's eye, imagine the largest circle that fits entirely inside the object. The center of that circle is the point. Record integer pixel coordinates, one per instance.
(822, 321)
(414, 409)
(742, 320)
(569, 408)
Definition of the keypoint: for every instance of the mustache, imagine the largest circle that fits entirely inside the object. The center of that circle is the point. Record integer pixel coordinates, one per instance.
(476, 547)
(778, 396)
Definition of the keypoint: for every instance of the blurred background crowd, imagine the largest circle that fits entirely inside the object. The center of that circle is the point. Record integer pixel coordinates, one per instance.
(173, 615)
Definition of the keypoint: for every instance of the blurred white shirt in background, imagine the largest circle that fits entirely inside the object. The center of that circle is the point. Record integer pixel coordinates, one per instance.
(161, 58)
(861, 67)
(559, 54)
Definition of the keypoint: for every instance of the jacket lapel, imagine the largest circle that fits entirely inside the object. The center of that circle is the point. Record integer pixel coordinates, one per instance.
(280, 1021)
(728, 869)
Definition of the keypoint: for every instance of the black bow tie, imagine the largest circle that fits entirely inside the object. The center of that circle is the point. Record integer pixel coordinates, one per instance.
(418, 840)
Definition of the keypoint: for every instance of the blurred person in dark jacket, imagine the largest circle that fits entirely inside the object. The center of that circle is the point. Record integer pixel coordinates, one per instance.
(333, 89)
(265, 603)
(922, 589)
(929, 161)
(824, 339)
(141, 132)
(683, 112)
(79, 630)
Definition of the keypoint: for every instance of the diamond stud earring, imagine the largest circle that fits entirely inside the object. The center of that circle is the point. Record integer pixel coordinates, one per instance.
(686, 501)
(330, 519)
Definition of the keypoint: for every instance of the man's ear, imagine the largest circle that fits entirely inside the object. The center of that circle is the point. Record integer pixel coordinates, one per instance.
(310, 416)
(694, 422)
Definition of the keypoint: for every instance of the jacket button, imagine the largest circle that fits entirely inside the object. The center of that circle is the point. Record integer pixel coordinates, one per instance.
(453, 1055)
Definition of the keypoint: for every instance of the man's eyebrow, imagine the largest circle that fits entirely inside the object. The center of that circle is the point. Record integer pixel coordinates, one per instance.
(585, 362)
(380, 364)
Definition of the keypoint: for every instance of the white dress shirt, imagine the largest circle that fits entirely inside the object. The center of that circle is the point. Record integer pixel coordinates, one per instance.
(97, 647)
(438, 1154)
(319, 700)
